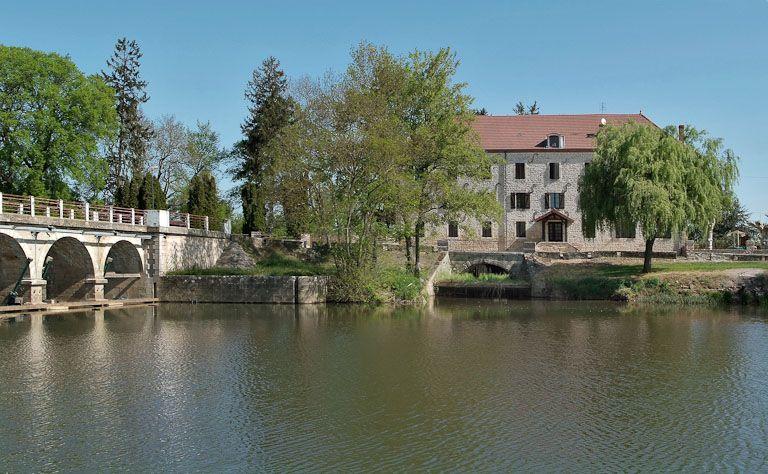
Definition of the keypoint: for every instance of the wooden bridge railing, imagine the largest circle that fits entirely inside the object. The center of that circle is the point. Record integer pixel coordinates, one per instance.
(43, 207)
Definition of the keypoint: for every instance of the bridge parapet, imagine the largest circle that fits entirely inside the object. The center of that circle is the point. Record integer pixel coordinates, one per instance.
(85, 212)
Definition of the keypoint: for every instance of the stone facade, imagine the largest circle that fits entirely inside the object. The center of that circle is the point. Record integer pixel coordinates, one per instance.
(536, 184)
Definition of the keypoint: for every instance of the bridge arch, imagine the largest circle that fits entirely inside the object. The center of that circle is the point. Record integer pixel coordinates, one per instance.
(123, 258)
(12, 260)
(68, 270)
(485, 265)
(124, 272)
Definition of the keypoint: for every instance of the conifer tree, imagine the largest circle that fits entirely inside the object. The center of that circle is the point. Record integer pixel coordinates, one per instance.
(269, 111)
(126, 154)
(522, 109)
(151, 195)
(204, 199)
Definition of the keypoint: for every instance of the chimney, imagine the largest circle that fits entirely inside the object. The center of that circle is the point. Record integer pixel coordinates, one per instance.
(681, 132)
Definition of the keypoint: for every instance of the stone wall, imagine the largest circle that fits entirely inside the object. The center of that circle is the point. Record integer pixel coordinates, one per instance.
(242, 289)
(178, 249)
(128, 288)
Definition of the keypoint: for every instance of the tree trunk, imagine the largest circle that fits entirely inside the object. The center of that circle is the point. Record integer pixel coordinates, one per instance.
(408, 261)
(648, 254)
(417, 248)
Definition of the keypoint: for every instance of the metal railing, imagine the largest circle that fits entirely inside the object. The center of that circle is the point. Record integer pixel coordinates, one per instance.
(190, 221)
(83, 211)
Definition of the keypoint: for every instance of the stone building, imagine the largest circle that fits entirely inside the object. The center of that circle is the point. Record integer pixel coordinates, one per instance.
(543, 157)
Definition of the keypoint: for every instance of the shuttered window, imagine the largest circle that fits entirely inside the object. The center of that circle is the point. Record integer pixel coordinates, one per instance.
(626, 230)
(554, 171)
(520, 200)
(588, 231)
(554, 201)
(520, 228)
(453, 229)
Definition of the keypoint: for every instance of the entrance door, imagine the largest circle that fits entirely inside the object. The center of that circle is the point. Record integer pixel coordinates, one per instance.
(555, 231)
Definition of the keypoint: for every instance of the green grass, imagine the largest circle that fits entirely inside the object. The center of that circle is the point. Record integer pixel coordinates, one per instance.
(273, 264)
(667, 266)
(482, 278)
(402, 284)
(610, 270)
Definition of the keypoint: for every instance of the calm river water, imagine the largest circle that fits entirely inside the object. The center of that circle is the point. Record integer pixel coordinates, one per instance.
(467, 385)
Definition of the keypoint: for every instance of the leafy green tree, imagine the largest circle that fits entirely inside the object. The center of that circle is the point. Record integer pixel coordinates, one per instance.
(443, 150)
(644, 175)
(270, 109)
(127, 153)
(733, 217)
(204, 200)
(344, 155)
(522, 109)
(52, 119)
(151, 194)
(203, 150)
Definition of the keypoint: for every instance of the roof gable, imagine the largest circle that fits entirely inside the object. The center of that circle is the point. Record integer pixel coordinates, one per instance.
(529, 132)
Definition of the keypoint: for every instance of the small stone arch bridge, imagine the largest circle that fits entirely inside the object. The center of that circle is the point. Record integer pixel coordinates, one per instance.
(511, 263)
(78, 251)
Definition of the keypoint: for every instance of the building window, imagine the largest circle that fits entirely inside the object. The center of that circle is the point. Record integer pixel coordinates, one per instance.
(588, 231)
(554, 171)
(555, 141)
(626, 230)
(519, 170)
(487, 230)
(453, 229)
(520, 229)
(520, 200)
(554, 201)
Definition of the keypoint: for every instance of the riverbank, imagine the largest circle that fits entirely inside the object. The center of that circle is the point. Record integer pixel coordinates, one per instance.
(671, 281)
(272, 275)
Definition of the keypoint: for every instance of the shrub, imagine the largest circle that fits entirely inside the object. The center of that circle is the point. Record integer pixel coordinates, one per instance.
(403, 285)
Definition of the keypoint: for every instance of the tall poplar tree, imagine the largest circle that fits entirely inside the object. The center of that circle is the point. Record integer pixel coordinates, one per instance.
(269, 110)
(126, 154)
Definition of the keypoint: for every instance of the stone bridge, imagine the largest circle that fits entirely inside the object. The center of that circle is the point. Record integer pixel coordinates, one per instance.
(512, 263)
(78, 253)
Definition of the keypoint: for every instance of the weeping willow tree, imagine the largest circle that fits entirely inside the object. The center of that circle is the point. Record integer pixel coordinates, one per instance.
(647, 176)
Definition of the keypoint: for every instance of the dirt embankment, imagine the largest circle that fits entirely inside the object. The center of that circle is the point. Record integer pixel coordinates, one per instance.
(672, 281)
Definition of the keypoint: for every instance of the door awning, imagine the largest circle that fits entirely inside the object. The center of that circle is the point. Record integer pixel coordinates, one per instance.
(552, 214)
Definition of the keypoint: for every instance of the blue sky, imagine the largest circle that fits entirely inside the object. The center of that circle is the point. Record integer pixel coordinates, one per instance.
(703, 62)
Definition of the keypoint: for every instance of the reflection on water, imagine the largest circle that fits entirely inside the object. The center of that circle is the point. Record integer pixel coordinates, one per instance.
(462, 385)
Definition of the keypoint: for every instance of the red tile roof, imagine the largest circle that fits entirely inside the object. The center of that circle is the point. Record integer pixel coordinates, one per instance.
(527, 132)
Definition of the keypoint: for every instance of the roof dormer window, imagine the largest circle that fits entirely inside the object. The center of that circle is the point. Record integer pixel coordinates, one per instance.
(555, 141)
